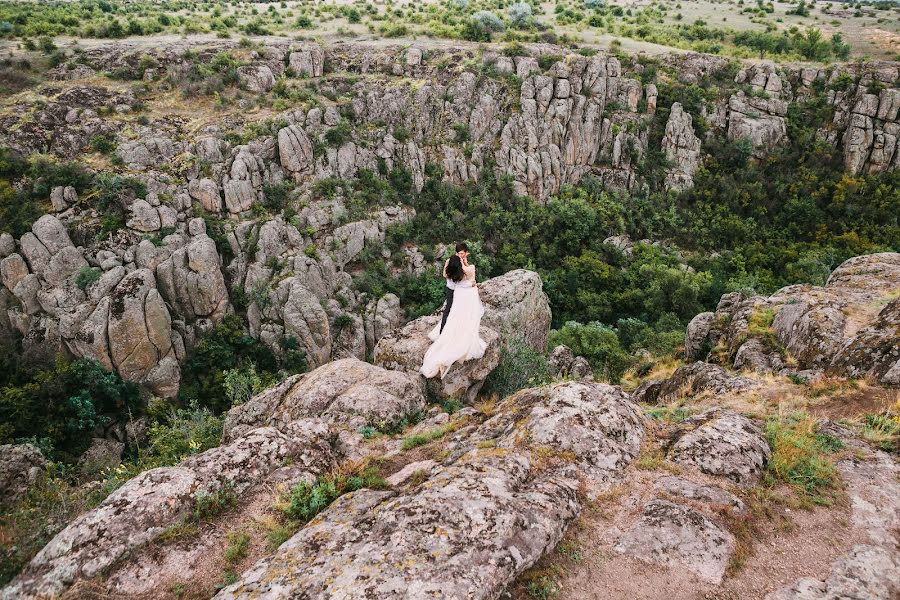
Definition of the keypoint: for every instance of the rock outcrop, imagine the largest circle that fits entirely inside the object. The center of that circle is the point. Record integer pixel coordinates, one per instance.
(344, 391)
(682, 147)
(695, 380)
(722, 443)
(142, 509)
(20, 467)
(679, 537)
(479, 520)
(405, 349)
(515, 306)
(847, 327)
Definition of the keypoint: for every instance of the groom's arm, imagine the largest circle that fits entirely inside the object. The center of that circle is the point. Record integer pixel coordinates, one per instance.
(446, 262)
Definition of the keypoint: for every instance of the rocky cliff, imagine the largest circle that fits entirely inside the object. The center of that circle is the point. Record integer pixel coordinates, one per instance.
(138, 299)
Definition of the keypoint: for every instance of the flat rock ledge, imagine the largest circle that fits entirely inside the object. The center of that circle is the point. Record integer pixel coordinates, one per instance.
(501, 500)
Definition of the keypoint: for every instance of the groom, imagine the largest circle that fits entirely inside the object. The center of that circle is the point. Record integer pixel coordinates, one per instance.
(462, 251)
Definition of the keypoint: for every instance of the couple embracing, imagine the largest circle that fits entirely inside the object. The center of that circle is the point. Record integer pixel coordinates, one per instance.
(455, 338)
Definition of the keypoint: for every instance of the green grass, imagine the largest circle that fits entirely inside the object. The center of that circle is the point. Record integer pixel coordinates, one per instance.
(211, 504)
(801, 458)
(420, 439)
(238, 543)
(883, 431)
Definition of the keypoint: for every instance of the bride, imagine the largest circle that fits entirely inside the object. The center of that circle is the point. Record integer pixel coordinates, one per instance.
(459, 340)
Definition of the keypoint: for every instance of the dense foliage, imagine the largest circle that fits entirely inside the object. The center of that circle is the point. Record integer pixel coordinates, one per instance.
(58, 408)
(227, 360)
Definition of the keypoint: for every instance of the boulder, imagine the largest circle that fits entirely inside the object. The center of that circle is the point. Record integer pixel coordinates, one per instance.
(693, 380)
(295, 149)
(256, 78)
(192, 282)
(102, 454)
(724, 444)
(869, 572)
(679, 537)
(696, 338)
(515, 305)
(405, 349)
(481, 519)
(712, 496)
(20, 467)
(140, 328)
(344, 391)
(308, 61)
(206, 191)
(564, 364)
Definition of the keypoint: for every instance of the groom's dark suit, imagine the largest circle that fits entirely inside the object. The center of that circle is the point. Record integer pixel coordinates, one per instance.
(449, 301)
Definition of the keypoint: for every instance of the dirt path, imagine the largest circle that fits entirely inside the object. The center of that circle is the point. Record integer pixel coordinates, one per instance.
(787, 545)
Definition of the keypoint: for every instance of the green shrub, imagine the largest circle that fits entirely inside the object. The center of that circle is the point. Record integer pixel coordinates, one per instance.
(87, 276)
(209, 504)
(545, 61)
(103, 144)
(883, 431)
(521, 366)
(61, 405)
(339, 134)
(596, 342)
(304, 501)
(228, 346)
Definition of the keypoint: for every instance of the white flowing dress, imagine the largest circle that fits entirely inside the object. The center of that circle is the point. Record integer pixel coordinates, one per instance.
(460, 340)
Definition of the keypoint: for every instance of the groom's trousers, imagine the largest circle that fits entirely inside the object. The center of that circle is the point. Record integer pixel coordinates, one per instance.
(447, 305)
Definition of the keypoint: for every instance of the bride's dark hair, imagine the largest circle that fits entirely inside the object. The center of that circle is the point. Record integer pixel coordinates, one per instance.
(454, 268)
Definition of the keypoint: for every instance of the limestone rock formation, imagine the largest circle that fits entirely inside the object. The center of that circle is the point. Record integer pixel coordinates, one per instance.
(515, 305)
(405, 349)
(682, 147)
(145, 506)
(848, 327)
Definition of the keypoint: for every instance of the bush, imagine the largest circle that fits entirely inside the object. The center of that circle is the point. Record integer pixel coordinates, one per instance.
(519, 13)
(304, 501)
(521, 366)
(87, 276)
(224, 348)
(59, 407)
(596, 342)
(103, 144)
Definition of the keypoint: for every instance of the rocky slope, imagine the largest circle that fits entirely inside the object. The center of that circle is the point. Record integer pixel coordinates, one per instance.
(495, 497)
